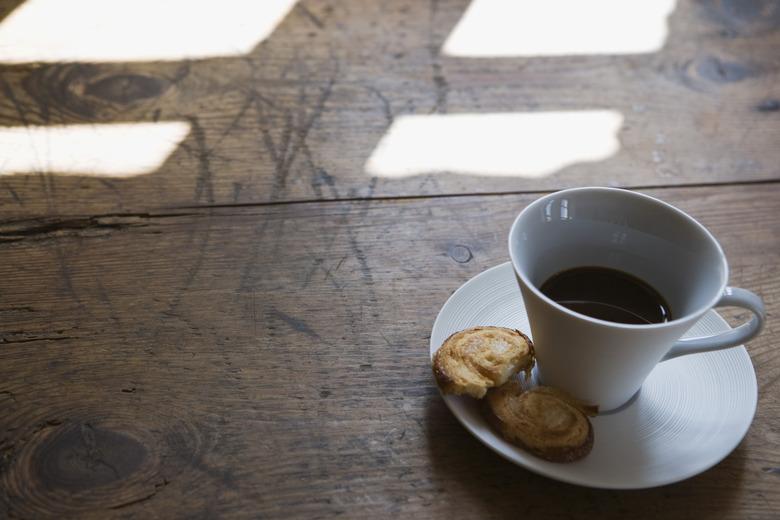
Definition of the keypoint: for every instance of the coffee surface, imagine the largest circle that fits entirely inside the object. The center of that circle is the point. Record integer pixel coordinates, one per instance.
(607, 294)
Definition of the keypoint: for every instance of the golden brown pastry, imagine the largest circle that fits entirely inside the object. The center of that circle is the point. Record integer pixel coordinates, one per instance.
(545, 421)
(473, 360)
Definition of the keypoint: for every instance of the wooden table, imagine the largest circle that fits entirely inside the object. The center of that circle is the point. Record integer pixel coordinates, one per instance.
(243, 331)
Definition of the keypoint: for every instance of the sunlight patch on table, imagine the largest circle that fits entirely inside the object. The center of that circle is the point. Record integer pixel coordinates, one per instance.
(507, 28)
(508, 144)
(138, 30)
(106, 150)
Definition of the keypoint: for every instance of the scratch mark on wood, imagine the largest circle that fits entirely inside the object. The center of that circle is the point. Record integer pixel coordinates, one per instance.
(65, 273)
(9, 93)
(247, 280)
(320, 176)
(310, 16)
(441, 87)
(205, 177)
(294, 134)
(385, 338)
(270, 146)
(307, 124)
(314, 267)
(14, 195)
(335, 270)
(318, 265)
(387, 109)
(237, 186)
(284, 146)
(233, 123)
(193, 271)
(182, 72)
(110, 185)
(46, 181)
(282, 158)
(365, 269)
(294, 323)
(324, 177)
(254, 315)
(103, 295)
(203, 232)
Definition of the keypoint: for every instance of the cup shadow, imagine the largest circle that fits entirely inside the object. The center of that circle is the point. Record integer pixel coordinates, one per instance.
(483, 481)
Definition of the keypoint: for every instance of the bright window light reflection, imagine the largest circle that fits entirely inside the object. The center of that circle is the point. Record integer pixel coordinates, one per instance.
(505, 28)
(137, 30)
(507, 144)
(108, 150)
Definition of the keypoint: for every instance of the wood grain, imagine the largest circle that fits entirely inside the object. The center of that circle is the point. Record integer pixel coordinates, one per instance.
(297, 118)
(273, 362)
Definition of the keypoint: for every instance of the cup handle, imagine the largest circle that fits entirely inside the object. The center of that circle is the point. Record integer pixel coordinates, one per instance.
(734, 297)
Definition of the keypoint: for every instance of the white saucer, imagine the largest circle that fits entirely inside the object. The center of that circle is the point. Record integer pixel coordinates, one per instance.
(692, 411)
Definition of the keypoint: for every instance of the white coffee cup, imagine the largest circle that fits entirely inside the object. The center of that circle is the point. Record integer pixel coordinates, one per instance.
(603, 362)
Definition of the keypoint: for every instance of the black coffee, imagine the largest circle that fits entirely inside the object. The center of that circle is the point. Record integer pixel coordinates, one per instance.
(607, 294)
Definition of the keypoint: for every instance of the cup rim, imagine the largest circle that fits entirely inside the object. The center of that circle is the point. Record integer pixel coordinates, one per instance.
(630, 194)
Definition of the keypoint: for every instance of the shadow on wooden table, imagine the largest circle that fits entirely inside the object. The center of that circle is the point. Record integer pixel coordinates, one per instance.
(481, 482)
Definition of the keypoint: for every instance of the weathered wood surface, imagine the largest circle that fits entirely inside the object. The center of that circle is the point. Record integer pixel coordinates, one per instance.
(163, 356)
(273, 362)
(297, 118)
